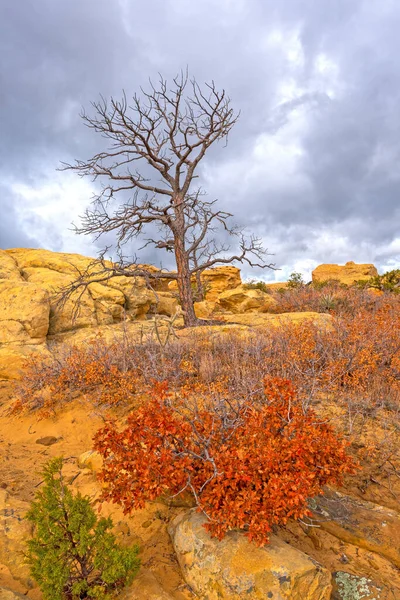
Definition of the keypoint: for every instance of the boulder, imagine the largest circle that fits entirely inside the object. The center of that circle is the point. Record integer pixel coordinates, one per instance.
(204, 309)
(138, 298)
(24, 313)
(98, 304)
(236, 569)
(220, 279)
(14, 531)
(243, 300)
(102, 303)
(347, 274)
(360, 523)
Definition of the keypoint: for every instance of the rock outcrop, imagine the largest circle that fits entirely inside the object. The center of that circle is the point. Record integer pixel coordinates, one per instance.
(14, 531)
(244, 300)
(320, 320)
(276, 286)
(101, 304)
(361, 523)
(347, 274)
(24, 313)
(24, 320)
(235, 569)
(215, 281)
(220, 279)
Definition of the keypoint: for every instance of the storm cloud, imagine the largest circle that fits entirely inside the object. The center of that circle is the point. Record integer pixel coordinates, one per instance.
(312, 166)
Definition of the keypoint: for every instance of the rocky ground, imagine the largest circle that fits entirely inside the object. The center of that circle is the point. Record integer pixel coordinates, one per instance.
(357, 540)
(353, 554)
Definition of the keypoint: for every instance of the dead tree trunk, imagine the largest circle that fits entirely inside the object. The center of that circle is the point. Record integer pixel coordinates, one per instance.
(184, 281)
(184, 278)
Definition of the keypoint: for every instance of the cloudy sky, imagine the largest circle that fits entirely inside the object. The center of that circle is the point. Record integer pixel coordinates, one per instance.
(313, 165)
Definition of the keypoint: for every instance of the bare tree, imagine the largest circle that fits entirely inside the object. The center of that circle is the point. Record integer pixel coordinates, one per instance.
(156, 143)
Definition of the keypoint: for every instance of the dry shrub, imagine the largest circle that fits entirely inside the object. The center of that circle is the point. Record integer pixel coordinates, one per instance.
(356, 361)
(331, 297)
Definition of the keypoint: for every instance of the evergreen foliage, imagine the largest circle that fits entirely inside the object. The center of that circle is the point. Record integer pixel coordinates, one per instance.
(73, 554)
(295, 280)
(389, 281)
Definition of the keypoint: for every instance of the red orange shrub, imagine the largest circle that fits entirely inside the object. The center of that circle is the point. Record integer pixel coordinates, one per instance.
(249, 465)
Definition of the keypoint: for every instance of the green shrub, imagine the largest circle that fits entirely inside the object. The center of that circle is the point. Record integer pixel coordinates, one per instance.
(389, 281)
(331, 283)
(295, 280)
(257, 285)
(327, 302)
(73, 555)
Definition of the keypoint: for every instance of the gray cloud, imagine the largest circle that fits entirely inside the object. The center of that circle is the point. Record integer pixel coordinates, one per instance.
(312, 165)
(10, 234)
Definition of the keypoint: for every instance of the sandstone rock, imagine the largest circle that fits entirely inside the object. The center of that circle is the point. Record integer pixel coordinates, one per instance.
(276, 285)
(138, 298)
(46, 259)
(6, 594)
(165, 304)
(236, 569)
(14, 531)
(351, 587)
(204, 309)
(361, 523)
(101, 304)
(321, 320)
(243, 300)
(8, 268)
(108, 303)
(13, 359)
(97, 305)
(47, 440)
(109, 334)
(146, 587)
(216, 281)
(220, 279)
(347, 274)
(24, 313)
(90, 460)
